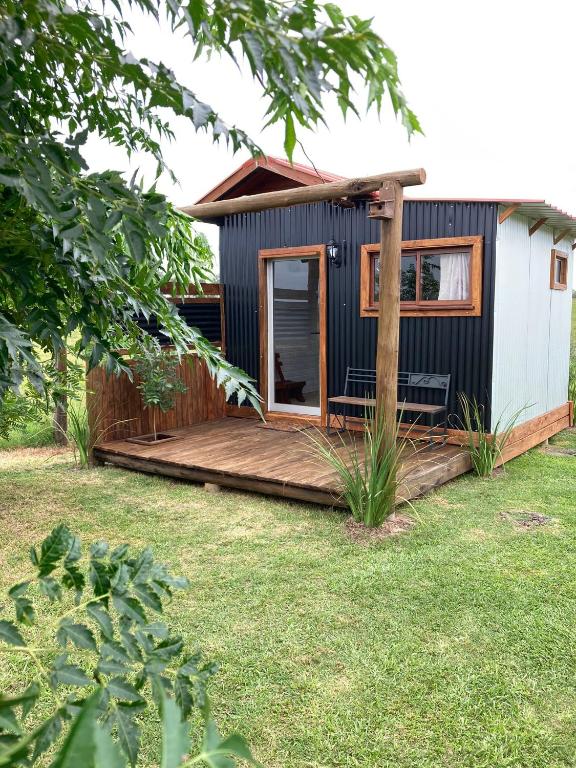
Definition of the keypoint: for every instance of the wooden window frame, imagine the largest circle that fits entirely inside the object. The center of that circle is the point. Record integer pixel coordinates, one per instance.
(563, 257)
(469, 308)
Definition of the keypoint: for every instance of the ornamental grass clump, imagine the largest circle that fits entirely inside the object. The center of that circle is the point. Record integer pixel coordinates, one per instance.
(485, 448)
(572, 378)
(369, 468)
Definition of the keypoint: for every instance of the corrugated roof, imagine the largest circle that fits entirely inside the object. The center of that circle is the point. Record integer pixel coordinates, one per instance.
(304, 175)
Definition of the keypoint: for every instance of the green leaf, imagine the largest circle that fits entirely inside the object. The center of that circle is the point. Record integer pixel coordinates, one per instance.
(121, 689)
(26, 699)
(175, 738)
(9, 633)
(217, 752)
(106, 754)
(50, 588)
(98, 550)
(9, 722)
(79, 746)
(18, 589)
(99, 578)
(101, 617)
(78, 634)
(289, 136)
(183, 695)
(25, 613)
(129, 607)
(148, 597)
(128, 732)
(70, 674)
(53, 549)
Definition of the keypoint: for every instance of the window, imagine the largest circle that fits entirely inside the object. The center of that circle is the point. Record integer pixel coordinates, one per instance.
(440, 277)
(558, 270)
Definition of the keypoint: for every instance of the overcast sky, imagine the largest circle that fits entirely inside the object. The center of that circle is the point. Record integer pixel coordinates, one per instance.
(492, 84)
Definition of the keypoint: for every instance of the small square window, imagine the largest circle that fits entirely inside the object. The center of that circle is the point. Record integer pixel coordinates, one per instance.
(558, 270)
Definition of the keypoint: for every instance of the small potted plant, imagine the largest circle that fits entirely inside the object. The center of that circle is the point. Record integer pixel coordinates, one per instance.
(158, 384)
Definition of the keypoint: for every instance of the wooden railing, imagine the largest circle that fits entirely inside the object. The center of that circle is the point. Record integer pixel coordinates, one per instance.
(115, 407)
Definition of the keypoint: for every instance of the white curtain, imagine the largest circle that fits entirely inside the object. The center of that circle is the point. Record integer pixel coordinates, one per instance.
(454, 277)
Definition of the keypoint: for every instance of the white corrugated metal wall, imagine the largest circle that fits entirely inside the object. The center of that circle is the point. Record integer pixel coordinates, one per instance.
(531, 323)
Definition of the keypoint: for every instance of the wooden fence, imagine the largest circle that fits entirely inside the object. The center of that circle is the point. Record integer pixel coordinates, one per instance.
(114, 404)
(115, 407)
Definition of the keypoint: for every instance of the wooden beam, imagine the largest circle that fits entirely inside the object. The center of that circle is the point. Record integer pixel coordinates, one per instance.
(389, 310)
(312, 194)
(507, 212)
(560, 236)
(536, 226)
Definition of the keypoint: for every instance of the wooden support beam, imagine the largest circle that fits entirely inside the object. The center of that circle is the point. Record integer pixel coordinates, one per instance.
(315, 193)
(507, 212)
(536, 226)
(560, 236)
(389, 310)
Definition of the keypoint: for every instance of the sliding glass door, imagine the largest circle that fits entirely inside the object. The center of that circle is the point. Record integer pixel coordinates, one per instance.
(294, 334)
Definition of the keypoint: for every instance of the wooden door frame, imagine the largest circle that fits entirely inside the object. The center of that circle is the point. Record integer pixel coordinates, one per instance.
(264, 255)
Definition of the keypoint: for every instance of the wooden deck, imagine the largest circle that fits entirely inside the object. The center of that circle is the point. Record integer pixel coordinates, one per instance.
(239, 453)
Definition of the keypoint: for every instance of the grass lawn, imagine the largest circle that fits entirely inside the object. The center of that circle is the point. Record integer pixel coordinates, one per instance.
(450, 645)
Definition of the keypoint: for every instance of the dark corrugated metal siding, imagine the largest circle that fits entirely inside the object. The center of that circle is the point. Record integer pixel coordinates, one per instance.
(461, 346)
(204, 316)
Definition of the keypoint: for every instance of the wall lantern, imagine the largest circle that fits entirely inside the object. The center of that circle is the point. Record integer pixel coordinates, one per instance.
(334, 255)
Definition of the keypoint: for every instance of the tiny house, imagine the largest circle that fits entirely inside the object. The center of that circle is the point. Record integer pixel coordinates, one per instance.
(483, 302)
(485, 297)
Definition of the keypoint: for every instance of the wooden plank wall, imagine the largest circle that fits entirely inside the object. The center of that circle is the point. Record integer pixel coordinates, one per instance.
(115, 407)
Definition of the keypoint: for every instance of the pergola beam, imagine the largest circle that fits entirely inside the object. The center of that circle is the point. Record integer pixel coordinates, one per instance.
(315, 193)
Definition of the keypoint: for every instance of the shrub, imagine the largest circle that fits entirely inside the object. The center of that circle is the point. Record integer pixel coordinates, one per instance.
(369, 472)
(572, 378)
(485, 448)
(159, 382)
(102, 664)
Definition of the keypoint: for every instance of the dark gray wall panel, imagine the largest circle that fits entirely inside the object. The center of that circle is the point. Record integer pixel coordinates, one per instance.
(458, 345)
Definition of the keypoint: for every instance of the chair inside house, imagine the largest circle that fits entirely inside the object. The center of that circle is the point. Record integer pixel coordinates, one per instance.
(285, 389)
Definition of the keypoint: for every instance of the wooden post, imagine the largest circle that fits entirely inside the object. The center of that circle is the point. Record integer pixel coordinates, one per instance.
(60, 420)
(389, 308)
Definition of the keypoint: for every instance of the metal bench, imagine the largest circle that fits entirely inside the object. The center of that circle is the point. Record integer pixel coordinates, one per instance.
(360, 389)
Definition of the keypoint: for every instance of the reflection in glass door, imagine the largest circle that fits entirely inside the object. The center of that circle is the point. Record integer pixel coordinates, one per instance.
(294, 335)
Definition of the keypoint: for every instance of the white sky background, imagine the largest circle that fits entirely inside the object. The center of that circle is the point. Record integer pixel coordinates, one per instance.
(492, 84)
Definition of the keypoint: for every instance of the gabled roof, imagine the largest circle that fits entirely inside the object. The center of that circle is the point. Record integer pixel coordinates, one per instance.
(271, 174)
(266, 174)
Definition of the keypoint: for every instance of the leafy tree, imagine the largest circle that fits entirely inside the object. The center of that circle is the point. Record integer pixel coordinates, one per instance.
(100, 663)
(84, 252)
(158, 380)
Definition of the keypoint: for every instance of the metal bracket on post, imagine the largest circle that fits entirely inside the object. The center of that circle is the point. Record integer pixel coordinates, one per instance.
(383, 208)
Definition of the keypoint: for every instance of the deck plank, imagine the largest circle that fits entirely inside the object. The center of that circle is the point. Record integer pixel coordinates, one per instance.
(238, 453)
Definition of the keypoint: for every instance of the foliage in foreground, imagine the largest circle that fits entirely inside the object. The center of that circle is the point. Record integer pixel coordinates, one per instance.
(158, 380)
(103, 663)
(485, 448)
(85, 252)
(369, 470)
